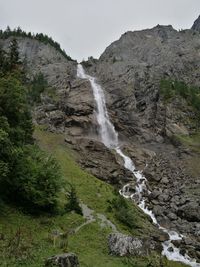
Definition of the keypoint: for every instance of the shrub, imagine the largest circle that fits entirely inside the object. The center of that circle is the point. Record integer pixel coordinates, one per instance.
(123, 211)
(73, 204)
(170, 88)
(36, 87)
(35, 181)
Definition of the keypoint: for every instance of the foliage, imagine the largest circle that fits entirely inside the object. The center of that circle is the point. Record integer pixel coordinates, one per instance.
(35, 180)
(17, 32)
(3, 62)
(14, 108)
(73, 203)
(123, 211)
(14, 53)
(36, 87)
(28, 177)
(191, 94)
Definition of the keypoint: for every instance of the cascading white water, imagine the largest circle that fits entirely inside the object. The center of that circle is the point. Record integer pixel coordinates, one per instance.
(109, 138)
(107, 132)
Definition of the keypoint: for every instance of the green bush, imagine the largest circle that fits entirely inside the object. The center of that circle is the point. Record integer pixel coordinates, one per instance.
(170, 88)
(35, 181)
(36, 87)
(123, 211)
(15, 110)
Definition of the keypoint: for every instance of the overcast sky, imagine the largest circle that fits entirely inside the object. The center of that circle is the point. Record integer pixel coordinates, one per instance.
(86, 27)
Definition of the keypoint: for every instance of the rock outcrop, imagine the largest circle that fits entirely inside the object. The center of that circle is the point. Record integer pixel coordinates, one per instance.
(196, 25)
(40, 57)
(63, 260)
(124, 245)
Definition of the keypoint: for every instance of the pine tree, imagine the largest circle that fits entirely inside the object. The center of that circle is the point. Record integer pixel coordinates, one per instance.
(13, 53)
(2, 58)
(4, 66)
(73, 203)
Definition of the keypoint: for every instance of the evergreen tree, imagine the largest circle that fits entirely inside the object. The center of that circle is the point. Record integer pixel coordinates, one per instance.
(4, 64)
(2, 58)
(13, 53)
(73, 203)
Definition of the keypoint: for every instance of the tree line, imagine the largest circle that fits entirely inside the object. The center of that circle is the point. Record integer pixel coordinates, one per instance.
(18, 32)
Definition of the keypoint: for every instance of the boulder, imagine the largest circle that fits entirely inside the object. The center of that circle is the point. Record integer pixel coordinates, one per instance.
(190, 212)
(124, 245)
(63, 260)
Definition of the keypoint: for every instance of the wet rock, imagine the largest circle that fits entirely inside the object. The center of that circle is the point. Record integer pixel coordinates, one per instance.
(161, 236)
(170, 249)
(158, 210)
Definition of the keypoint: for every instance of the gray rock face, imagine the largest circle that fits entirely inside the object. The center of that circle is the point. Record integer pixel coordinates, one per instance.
(196, 25)
(44, 58)
(63, 260)
(124, 245)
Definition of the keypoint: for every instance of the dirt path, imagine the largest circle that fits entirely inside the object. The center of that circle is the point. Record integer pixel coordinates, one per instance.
(90, 217)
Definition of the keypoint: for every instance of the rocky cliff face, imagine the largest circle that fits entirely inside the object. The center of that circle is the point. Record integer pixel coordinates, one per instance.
(40, 57)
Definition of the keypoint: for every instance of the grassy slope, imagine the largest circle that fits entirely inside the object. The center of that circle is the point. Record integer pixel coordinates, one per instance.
(193, 143)
(26, 240)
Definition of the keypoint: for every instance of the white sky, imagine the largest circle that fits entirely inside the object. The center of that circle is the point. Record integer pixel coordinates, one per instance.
(86, 27)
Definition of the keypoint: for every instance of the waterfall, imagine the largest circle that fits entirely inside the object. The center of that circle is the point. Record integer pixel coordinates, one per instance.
(109, 138)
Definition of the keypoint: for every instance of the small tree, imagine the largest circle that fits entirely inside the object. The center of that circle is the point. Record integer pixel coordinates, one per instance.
(73, 203)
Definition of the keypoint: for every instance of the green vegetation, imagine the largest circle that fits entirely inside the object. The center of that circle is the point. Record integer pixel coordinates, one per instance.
(37, 180)
(28, 176)
(27, 240)
(98, 195)
(124, 212)
(191, 94)
(191, 141)
(39, 36)
(73, 204)
(36, 87)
